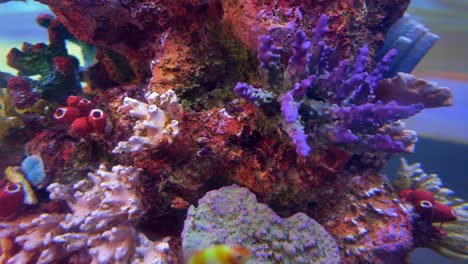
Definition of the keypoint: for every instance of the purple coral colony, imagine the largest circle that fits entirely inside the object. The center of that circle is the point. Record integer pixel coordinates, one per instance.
(261, 124)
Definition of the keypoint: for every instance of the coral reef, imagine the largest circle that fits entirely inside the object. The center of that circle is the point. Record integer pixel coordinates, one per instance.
(287, 99)
(98, 229)
(232, 215)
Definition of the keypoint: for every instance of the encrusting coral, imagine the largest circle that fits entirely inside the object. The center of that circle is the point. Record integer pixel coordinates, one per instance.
(232, 215)
(99, 227)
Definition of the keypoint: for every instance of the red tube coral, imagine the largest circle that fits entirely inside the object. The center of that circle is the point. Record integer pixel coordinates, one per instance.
(420, 195)
(11, 199)
(405, 194)
(66, 114)
(443, 213)
(80, 127)
(425, 209)
(85, 106)
(425, 204)
(98, 120)
(73, 100)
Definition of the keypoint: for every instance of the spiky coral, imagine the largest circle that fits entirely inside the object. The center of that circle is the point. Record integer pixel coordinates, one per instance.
(455, 243)
(324, 105)
(99, 227)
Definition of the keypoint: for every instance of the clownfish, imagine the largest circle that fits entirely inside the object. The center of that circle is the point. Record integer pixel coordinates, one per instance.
(221, 254)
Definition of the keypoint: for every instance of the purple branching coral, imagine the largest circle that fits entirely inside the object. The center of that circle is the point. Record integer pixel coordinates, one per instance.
(321, 104)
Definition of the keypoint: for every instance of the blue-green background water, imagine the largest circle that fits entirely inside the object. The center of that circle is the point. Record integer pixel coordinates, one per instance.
(443, 144)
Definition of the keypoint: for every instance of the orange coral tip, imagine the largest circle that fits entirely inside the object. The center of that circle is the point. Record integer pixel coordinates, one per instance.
(66, 114)
(80, 127)
(73, 100)
(98, 120)
(443, 213)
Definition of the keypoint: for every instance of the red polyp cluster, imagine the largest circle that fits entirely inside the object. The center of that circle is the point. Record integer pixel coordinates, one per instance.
(83, 118)
(11, 198)
(425, 205)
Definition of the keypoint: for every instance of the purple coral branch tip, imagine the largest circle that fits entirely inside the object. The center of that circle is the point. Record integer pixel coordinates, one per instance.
(320, 29)
(289, 107)
(244, 90)
(267, 52)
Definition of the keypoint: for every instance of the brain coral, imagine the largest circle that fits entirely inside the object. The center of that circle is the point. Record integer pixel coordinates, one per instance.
(232, 215)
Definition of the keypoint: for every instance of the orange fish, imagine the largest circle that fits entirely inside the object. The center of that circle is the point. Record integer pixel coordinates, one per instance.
(221, 254)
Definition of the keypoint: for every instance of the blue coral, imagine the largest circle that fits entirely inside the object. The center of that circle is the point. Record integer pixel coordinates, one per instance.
(33, 169)
(323, 105)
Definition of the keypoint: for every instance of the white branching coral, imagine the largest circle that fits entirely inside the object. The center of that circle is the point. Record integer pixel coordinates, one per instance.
(157, 121)
(99, 226)
(455, 244)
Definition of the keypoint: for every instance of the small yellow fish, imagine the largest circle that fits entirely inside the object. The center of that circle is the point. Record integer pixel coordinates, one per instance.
(221, 254)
